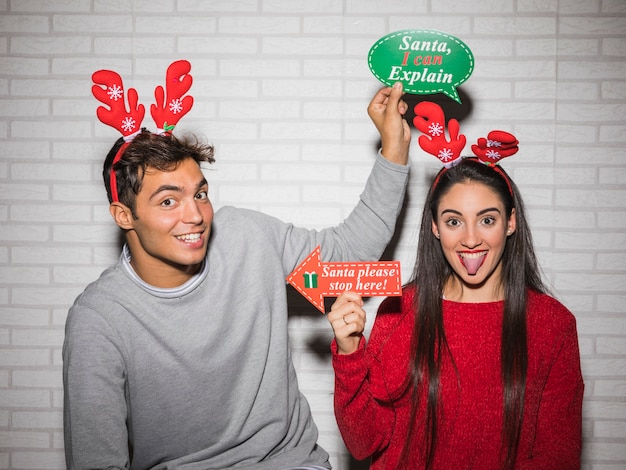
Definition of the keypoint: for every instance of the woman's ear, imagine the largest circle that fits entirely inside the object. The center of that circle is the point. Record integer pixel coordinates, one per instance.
(122, 215)
(435, 230)
(512, 223)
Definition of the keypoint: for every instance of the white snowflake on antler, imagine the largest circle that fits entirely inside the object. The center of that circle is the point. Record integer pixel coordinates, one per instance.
(176, 106)
(445, 155)
(435, 129)
(128, 124)
(115, 92)
(492, 154)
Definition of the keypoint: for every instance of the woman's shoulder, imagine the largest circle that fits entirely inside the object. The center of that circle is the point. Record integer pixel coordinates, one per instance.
(547, 315)
(547, 305)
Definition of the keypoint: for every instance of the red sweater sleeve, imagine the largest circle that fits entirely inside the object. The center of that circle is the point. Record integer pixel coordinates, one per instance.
(557, 439)
(364, 408)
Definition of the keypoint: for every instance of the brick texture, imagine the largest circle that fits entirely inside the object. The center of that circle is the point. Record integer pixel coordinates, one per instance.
(281, 90)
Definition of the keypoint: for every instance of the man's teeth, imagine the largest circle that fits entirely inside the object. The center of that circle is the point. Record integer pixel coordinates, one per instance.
(189, 237)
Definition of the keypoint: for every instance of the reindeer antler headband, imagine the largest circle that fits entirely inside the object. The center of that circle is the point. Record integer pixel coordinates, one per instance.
(430, 120)
(171, 105)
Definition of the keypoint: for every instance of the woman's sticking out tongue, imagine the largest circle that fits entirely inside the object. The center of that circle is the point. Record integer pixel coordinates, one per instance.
(473, 261)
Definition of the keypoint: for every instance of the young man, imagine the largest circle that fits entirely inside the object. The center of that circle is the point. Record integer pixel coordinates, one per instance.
(178, 356)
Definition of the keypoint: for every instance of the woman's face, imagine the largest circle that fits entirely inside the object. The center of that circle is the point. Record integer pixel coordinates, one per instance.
(472, 225)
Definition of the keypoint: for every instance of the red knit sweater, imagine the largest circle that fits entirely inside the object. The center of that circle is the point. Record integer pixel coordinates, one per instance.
(373, 414)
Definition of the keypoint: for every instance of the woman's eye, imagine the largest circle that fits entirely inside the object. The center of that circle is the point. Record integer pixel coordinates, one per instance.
(489, 220)
(453, 222)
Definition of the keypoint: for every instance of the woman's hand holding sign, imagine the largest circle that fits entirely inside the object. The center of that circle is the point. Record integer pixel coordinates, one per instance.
(347, 318)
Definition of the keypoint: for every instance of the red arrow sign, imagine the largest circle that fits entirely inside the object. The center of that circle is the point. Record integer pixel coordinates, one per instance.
(316, 280)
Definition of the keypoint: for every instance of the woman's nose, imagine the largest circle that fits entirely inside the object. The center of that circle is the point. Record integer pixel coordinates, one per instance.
(471, 238)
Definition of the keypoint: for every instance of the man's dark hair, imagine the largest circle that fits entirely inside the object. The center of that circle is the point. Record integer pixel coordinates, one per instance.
(148, 150)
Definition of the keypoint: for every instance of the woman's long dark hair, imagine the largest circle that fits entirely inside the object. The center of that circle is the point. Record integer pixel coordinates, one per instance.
(520, 272)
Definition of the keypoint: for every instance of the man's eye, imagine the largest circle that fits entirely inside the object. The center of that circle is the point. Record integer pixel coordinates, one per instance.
(203, 195)
(167, 203)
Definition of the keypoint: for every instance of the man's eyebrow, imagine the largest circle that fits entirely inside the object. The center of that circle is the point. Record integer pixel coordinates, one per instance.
(171, 187)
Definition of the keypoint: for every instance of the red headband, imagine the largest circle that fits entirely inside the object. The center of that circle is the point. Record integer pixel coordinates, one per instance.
(430, 120)
(170, 106)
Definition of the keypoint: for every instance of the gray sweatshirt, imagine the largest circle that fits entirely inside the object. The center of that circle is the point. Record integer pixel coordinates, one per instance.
(200, 376)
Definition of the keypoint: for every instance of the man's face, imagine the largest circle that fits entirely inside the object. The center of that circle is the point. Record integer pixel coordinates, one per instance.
(169, 237)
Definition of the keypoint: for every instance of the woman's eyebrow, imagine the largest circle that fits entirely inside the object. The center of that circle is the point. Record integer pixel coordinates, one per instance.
(482, 212)
(489, 209)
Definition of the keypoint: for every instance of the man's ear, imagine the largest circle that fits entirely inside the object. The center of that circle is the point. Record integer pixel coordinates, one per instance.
(122, 215)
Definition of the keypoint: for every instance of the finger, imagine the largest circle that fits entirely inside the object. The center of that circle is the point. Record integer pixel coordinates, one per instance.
(348, 326)
(403, 107)
(345, 298)
(381, 95)
(348, 314)
(406, 136)
(379, 101)
(348, 308)
(347, 321)
(395, 96)
(356, 318)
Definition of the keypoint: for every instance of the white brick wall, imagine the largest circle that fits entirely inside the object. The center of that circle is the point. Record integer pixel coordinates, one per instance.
(281, 88)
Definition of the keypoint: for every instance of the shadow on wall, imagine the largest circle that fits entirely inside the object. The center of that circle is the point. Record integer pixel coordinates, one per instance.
(451, 109)
(358, 465)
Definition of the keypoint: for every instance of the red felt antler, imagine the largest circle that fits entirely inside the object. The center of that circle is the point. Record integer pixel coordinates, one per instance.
(497, 145)
(167, 113)
(430, 120)
(127, 121)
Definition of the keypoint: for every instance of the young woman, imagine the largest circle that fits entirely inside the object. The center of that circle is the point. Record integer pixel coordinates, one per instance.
(475, 366)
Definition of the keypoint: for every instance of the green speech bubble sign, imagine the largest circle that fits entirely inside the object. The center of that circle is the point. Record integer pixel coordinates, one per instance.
(425, 61)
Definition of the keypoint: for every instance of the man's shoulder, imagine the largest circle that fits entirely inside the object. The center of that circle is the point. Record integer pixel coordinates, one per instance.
(103, 290)
(230, 221)
(237, 214)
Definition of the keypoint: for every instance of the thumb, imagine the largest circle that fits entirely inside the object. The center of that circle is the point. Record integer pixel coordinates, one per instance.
(395, 96)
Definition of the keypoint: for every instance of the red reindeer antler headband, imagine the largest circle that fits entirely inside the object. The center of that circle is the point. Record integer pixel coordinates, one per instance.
(430, 120)
(171, 105)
